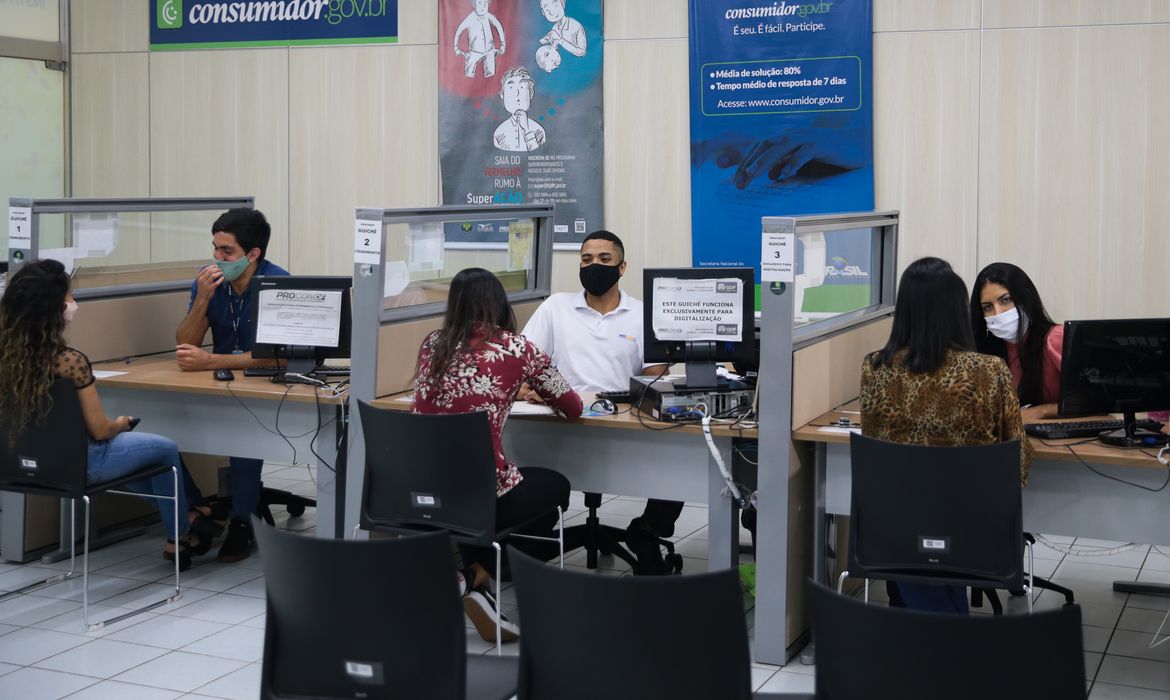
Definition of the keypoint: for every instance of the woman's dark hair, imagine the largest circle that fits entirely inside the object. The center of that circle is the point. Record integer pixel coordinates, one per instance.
(32, 334)
(930, 317)
(1031, 344)
(476, 305)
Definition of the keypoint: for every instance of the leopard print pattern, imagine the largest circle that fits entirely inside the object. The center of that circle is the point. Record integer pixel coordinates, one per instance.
(969, 400)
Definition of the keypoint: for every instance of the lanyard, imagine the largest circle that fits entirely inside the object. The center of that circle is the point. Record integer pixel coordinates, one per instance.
(236, 311)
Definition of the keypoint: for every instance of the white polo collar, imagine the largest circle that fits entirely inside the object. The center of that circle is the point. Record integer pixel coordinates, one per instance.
(623, 303)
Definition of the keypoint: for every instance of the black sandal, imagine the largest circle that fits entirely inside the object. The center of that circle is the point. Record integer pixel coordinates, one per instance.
(208, 530)
(184, 550)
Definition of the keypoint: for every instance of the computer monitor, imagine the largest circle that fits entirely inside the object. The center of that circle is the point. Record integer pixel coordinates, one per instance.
(301, 319)
(1115, 366)
(699, 316)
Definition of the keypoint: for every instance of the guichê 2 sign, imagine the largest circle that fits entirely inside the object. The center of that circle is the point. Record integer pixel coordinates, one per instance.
(204, 24)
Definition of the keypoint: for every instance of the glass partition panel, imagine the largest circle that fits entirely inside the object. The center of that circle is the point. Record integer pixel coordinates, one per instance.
(834, 273)
(420, 262)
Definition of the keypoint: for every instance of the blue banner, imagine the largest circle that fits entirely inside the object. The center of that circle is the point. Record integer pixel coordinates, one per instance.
(207, 24)
(781, 118)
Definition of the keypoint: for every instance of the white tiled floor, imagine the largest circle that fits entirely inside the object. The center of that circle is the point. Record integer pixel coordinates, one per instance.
(209, 644)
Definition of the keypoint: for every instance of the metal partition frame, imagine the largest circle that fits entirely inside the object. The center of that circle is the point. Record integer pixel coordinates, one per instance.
(369, 315)
(778, 340)
(116, 205)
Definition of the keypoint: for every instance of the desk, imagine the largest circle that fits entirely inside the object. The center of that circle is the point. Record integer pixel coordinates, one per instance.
(237, 418)
(615, 454)
(1063, 496)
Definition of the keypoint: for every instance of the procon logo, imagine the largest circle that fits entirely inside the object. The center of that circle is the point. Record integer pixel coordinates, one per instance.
(170, 14)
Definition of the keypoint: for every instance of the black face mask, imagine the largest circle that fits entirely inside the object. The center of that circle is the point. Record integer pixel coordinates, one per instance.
(597, 279)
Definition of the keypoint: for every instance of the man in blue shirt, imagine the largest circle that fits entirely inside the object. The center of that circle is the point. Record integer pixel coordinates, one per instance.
(219, 301)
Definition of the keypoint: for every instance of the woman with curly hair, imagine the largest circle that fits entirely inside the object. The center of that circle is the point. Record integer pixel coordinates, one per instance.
(35, 308)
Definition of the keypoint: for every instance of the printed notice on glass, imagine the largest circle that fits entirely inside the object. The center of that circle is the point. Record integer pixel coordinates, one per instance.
(19, 222)
(707, 309)
(778, 257)
(367, 242)
(299, 317)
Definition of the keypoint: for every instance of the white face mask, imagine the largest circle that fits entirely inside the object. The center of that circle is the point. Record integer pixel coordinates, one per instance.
(1009, 326)
(70, 311)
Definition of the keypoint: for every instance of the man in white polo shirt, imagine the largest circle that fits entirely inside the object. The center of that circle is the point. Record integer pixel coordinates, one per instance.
(595, 339)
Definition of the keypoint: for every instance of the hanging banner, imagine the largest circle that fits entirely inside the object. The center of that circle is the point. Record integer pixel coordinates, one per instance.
(520, 118)
(179, 25)
(781, 118)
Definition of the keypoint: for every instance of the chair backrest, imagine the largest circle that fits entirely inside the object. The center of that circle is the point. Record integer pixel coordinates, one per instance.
(428, 470)
(49, 457)
(936, 514)
(361, 618)
(589, 636)
(870, 651)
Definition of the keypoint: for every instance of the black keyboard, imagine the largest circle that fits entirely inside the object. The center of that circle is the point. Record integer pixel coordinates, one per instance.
(1084, 428)
(615, 396)
(275, 371)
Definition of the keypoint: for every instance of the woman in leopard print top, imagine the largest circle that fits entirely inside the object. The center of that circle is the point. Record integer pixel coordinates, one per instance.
(928, 386)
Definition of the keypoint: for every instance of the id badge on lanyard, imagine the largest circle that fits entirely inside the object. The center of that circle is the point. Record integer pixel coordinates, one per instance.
(235, 311)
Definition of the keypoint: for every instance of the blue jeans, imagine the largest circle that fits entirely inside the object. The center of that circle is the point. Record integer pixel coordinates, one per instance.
(128, 452)
(933, 597)
(245, 486)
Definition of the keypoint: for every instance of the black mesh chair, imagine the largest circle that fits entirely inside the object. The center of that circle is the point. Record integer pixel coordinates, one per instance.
(50, 459)
(940, 515)
(665, 637)
(870, 651)
(427, 472)
(383, 616)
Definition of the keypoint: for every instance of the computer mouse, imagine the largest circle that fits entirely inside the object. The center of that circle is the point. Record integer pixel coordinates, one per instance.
(223, 375)
(603, 406)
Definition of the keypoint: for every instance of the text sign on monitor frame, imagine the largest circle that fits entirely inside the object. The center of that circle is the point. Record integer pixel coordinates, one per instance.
(299, 317)
(697, 309)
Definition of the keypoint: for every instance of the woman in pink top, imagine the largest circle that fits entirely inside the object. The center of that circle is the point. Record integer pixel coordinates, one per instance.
(1009, 320)
(477, 362)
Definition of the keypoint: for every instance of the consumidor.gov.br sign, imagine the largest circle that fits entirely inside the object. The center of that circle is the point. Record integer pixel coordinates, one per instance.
(205, 24)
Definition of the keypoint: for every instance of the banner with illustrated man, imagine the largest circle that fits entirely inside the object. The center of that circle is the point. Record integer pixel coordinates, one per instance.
(781, 121)
(520, 111)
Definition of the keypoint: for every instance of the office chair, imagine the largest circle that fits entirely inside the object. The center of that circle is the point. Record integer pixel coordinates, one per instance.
(606, 539)
(372, 619)
(50, 459)
(620, 638)
(427, 472)
(941, 515)
(870, 651)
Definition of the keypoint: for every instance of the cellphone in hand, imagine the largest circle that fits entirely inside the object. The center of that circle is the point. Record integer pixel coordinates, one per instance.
(134, 423)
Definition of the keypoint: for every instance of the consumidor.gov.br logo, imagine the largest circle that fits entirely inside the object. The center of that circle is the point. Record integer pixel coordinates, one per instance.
(169, 14)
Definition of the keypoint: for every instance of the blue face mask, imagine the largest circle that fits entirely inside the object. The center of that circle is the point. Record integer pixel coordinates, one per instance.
(232, 269)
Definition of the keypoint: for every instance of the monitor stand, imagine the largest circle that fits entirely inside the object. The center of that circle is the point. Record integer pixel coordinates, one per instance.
(1130, 435)
(302, 360)
(700, 366)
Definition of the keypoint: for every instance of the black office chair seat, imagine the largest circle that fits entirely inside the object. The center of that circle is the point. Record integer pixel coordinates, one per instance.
(50, 459)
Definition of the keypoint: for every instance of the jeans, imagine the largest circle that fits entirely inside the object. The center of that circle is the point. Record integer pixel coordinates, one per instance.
(933, 597)
(128, 452)
(245, 486)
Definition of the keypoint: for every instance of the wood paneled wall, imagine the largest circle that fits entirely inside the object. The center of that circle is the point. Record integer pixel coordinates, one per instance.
(1030, 132)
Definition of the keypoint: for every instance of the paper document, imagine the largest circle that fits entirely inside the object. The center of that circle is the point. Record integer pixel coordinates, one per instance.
(106, 373)
(426, 247)
(697, 310)
(523, 408)
(299, 317)
(835, 429)
(95, 235)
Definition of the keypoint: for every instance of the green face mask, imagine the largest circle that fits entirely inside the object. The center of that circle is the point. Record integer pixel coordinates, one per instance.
(232, 269)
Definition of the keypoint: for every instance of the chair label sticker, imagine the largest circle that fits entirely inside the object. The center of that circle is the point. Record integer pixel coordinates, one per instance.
(28, 464)
(366, 672)
(934, 545)
(426, 500)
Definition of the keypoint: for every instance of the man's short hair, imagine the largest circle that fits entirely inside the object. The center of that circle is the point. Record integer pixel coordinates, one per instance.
(603, 235)
(249, 227)
(522, 73)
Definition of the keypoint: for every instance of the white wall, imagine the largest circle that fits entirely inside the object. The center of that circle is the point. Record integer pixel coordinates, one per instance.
(1034, 132)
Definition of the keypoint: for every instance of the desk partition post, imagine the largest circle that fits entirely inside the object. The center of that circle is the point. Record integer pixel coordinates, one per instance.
(369, 281)
(775, 389)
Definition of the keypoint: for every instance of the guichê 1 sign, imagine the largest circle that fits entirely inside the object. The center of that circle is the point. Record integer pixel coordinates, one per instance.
(205, 24)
